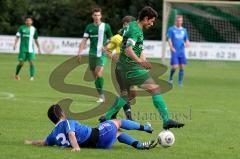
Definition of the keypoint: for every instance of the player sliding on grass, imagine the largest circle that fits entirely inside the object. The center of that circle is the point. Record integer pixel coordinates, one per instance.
(132, 70)
(27, 34)
(115, 45)
(98, 33)
(178, 40)
(70, 133)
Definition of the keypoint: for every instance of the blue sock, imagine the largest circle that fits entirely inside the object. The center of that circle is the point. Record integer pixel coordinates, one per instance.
(171, 74)
(130, 125)
(180, 76)
(129, 140)
(133, 125)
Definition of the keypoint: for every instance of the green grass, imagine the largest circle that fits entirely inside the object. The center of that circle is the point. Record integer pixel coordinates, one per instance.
(211, 93)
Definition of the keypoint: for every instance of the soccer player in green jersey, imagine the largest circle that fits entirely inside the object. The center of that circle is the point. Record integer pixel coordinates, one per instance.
(27, 35)
(132, 70)
(98, 33)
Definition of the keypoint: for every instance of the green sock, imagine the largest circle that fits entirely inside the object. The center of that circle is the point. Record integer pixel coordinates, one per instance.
(18, 68)
(32, 70)
(119, 103)
(99, 84)
(161, 107)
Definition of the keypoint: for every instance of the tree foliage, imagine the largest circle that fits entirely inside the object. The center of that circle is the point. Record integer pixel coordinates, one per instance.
(68, 18)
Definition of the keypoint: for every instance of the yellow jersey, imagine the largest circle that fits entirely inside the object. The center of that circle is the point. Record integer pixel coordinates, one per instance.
(115, 43)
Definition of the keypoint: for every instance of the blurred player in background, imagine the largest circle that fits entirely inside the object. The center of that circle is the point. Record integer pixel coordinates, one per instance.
(98, 33)
(27, 35)
(70, 133)
(178, 40)
(113, 51)
(131, 70)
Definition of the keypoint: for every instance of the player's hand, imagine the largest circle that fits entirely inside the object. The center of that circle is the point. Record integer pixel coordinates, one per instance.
(28, 142)
(79, 58)
(146, 65)
(39, 51)
(173, 50)
(76, 149)
(115, 57)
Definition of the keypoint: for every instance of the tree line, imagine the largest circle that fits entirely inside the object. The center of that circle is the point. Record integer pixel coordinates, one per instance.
(68, 18)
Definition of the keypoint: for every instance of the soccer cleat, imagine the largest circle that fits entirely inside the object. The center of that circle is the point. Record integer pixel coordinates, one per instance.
(101, 99)
(148, 128)
(170, 81)
(17, 77)
(172, 124)
(180, 83)
(102, 119)
(148, 144)
(31, 79)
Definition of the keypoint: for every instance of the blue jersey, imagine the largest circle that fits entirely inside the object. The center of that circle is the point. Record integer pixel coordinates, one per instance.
(59, 135)
(178, 37)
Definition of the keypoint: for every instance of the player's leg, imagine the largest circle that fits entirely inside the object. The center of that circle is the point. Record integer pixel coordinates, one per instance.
(99, 80)
(21, 59)
(132, 125)
(150, 86)
(128, 139)
(123, 98)
(182, 63)
(127, 107)
(174, 66)
(32, 69)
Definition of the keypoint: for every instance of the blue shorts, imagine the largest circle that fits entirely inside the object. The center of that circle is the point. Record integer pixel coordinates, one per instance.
(107, 135)
(178, 58)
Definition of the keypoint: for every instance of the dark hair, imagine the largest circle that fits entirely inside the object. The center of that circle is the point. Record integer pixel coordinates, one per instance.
(128, 19)
(28, 17)
(55, 113)
(96, 9)
(147, 12)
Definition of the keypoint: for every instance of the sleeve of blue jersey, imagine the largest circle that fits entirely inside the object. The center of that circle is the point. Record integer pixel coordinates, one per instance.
(69, 126)
(186, 35)
(49, 141)
(169, 33)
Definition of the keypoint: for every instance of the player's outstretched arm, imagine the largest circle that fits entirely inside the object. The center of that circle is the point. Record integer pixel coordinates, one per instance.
(16, 42)
(38, 46)
(73, 141)
(130, 53)
(187, 43)
(81, 48)
(35, 142)
(171, 46)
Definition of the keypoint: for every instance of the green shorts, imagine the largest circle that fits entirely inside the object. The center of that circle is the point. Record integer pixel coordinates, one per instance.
(26, 56)
(128, 78)
(95, 61)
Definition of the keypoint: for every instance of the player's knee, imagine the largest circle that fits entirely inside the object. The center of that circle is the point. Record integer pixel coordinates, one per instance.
(117, 123)
(21, 63)
(31, 62)
(174, 67)
(181, 67)
(155, 90)
(124, 93)
(132, 95)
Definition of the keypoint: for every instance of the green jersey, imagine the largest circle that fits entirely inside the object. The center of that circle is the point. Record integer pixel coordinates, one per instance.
(27, 36)
(132, 36)
(98, 35)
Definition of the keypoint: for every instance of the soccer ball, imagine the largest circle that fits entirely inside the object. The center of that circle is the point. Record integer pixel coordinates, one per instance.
(166, 138)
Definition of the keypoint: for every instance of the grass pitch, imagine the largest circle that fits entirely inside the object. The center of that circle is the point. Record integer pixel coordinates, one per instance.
(208, 104)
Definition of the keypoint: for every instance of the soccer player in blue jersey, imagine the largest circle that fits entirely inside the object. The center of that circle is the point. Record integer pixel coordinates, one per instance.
(178, 40)
(70, 133)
